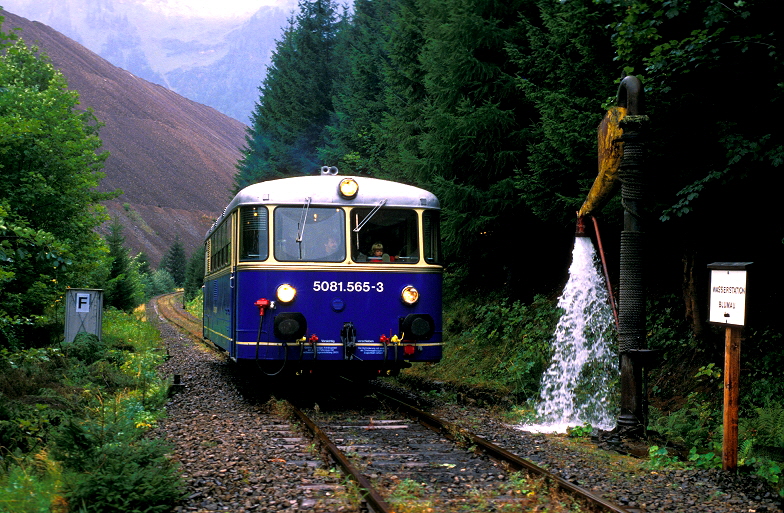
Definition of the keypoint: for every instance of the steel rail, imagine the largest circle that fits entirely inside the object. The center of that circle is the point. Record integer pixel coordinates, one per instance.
(513, 461)
(369, 493)
(182, 320)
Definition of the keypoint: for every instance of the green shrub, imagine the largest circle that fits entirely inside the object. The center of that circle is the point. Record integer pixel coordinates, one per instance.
(134, 477)
(85, 347)
(30, 486)
(496, 343)
(196, 305)
(695, 424)
(89, 412)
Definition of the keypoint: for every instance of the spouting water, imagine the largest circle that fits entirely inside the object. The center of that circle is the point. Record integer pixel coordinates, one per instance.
(577, 386)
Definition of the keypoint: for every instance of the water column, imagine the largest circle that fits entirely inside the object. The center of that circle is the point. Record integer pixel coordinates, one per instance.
(631, 299)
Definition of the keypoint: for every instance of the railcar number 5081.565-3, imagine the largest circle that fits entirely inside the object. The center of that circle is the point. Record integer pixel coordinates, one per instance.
(326, 274)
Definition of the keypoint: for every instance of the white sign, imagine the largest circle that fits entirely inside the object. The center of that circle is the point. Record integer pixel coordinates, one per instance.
(82, 302)
(728, 297)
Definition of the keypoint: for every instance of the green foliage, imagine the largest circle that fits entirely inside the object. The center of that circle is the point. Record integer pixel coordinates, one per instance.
(406, 490)
(659, 457)
(762, 384)
(580, 431)
(194, 275)
(175, 262)
(159, 282)
(30, 485)
(123, 289)
(768, 470)
(134, 476)
(196, 305)
(497, 343)
(85, 434)
(85, 347)
(49, 206)
(766, 426)
(705, 460)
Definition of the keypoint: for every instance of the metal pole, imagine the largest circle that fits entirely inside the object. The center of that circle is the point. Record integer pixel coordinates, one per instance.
(631, 297)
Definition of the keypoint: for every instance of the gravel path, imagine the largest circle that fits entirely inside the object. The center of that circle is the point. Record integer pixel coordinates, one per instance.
(236, 455)
(623, 479)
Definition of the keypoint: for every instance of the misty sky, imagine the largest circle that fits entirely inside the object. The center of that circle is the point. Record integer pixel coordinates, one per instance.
(200, 8)
(213, 8)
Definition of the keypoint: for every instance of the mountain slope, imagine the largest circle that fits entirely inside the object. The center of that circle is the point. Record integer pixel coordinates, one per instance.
(173, 158)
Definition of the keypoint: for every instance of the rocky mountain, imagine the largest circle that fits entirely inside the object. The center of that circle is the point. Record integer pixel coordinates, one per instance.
(217, 61)
(173, 157)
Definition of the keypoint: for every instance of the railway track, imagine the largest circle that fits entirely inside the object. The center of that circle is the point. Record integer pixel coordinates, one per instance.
(169, 307)
(403, 458)
(396, 445)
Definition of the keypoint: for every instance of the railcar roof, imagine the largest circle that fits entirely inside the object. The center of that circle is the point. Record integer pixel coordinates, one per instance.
(323, 190)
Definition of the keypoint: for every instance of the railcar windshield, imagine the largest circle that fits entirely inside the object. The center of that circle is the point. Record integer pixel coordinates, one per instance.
(388, 235)
(253, 237)
(310, 234)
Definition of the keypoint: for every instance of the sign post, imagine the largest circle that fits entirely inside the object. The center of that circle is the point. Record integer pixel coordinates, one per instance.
(728, 307)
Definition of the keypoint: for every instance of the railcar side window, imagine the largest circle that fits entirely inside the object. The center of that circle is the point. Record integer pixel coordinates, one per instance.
(432, 235)
(253, 238)
(310, 234)
(395, 230)
(220, 246)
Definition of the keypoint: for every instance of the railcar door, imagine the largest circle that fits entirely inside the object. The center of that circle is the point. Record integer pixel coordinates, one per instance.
(233, 310)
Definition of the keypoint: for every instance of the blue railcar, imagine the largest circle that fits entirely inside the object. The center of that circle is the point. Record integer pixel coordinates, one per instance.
(326, 274)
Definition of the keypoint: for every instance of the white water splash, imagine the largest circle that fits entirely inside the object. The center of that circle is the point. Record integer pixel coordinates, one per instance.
(577, 387)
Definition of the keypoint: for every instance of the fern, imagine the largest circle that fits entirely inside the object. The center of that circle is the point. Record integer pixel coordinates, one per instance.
(744, 450)
(767, 427)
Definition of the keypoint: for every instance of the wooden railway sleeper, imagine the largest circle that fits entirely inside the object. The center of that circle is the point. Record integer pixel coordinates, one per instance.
(369, 493)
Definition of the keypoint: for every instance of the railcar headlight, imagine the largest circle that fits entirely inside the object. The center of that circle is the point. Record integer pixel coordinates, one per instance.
(410, 295)
(286, 293)
(348, 188)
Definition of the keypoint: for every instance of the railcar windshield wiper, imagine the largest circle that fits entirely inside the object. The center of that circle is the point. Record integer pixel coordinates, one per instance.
(301, 226)
(370, 214)
(302, 219)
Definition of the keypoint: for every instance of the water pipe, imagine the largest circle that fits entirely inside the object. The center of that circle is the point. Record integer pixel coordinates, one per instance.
(580, 231)
(604, 268)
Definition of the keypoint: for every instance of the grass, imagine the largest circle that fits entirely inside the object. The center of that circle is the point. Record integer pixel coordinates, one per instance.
(519, 492)
(73, 421)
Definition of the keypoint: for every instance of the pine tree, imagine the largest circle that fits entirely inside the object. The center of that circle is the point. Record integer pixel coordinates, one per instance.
(194, 277)
(358, 90)
(405, 95)
(122, 290)
(143, 263)
(175, 262)
(290, 119)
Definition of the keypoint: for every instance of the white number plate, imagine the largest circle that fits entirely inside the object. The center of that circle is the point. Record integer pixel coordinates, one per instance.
(348, 286)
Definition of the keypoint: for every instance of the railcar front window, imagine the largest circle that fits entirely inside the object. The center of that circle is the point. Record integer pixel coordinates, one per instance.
(310, 234)
(432, 236)
(253, 243)
(389, 236)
